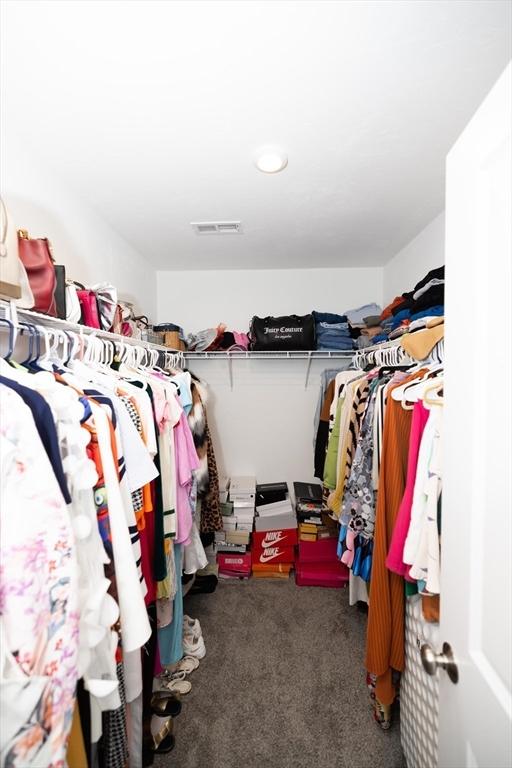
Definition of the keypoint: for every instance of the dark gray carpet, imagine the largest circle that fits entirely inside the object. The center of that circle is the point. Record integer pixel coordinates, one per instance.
(282, 684)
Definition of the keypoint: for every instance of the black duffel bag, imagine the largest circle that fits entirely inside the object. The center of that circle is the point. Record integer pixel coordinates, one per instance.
(278, 334)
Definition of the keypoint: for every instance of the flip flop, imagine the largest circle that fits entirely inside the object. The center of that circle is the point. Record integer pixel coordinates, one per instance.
(165, 704)
(187, 664)
(177, 684)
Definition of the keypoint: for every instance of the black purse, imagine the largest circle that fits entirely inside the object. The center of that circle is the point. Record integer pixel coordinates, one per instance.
(283, 334)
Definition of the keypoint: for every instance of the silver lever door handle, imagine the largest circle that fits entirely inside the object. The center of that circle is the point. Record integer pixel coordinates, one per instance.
(445, 660)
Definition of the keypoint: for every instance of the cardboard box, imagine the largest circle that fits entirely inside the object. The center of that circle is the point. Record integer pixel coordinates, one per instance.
(236, 563)
(275, 522)
(321, 551)
(321, 574)
(274, 554)
(272, 568)
(285, 537)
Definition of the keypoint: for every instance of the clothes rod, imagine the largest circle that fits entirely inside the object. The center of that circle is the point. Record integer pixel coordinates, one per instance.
(37, 318)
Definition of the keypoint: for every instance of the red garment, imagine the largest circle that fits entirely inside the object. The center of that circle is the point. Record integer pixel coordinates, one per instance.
(387, 311)
(147, 548)
(385, 633)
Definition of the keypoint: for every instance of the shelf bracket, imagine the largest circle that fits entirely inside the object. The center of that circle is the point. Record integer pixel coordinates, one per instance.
(308, 368)
(230, 371)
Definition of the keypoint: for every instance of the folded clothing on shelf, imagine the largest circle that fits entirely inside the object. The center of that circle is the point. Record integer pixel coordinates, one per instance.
(357, 316)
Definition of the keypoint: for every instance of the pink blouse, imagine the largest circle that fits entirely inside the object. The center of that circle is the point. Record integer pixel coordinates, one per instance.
(394, 560)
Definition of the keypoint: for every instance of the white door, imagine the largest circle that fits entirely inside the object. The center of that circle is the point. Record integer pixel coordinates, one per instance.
(475, 717)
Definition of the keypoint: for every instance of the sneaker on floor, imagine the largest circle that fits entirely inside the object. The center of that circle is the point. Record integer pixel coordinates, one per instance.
(191, 626)
(194, 646)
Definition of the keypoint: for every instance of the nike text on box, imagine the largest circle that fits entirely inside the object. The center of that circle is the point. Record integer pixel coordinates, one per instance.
(283, 537)
(273, 554)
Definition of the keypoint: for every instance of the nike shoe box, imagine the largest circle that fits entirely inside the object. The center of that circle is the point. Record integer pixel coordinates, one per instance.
(328, 574)
(234, 563)
(284, 537)
(275, 554)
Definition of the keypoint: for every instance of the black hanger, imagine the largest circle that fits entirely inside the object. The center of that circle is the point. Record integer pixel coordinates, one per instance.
(11, 337)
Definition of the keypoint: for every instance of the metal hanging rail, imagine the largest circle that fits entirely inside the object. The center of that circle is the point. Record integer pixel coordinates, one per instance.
(387, 353)
(9, 311)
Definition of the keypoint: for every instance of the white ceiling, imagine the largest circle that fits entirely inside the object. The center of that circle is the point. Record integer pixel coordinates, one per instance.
(153, 110)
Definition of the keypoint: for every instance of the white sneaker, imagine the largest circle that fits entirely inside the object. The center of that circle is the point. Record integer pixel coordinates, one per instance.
(191, 626)
(194, 646)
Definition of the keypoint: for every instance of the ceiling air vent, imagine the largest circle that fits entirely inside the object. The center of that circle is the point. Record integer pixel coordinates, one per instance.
(217, 227)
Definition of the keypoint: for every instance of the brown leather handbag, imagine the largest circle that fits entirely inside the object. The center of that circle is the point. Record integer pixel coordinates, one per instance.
(38, 261)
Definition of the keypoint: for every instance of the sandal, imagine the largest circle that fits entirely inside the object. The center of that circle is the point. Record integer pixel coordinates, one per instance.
(164, 741)
(187, 664)
(177, 684)
(165, 704)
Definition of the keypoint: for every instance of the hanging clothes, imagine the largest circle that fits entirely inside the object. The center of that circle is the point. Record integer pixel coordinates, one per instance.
(102, 461)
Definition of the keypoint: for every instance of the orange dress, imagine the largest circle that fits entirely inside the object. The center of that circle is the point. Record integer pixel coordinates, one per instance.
(385, 633)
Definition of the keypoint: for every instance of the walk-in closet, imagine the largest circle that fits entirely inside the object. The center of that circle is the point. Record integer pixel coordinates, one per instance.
(255, 384)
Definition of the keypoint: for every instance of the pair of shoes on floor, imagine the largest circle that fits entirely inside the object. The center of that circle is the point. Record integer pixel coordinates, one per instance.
(163, 741)
(204, 585)
(175, 682)
(193, 643)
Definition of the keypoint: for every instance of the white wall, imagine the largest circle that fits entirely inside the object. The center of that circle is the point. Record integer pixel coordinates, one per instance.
(90, 250)
(264, 426)
(197, 300)
(418, 257)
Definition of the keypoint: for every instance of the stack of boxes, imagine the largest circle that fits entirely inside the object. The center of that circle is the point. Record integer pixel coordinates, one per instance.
(317, 563)
(275, 538)
(312, 514)
(233, 557)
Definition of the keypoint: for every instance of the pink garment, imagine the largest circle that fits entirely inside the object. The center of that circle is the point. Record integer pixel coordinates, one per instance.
(160, 405)
(186, 462)
(241, 340)
(394, 560)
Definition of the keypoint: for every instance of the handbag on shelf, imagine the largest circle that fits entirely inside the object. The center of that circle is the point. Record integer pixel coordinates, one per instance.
(73, 308)
(36, 256)
(60, 290)
(117, 324)
(89, 307)
(129, 325)
(283, 334)
(14, 284)
(106, 295)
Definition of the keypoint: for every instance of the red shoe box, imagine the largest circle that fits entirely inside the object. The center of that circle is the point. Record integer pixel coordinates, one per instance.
(286, 537)
(277, 554)
(274, 546)
(239, 563)
(327, 574)
(321, 551)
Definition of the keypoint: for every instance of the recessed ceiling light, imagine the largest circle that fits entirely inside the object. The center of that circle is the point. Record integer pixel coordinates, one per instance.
(271, 160)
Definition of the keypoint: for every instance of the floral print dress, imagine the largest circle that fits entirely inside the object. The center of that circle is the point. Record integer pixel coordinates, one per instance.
(38, 598)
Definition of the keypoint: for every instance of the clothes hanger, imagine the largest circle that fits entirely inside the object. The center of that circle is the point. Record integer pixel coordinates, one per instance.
(26, 362)
(438, 387)
(33, 362)
(12, 337)
(413, 391)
